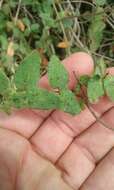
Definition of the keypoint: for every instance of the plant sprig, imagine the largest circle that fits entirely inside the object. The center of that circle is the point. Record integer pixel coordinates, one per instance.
(23, 91)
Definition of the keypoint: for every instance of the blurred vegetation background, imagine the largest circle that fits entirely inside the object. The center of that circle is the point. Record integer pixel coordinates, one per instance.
(58, 27)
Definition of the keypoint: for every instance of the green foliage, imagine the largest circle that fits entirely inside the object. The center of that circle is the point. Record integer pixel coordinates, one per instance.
(84, 80)
(30, 37)
(69, 102)
(109, 86)
(4, 83)
(28, 72)
(46, 23)
(100, 2)
(47, 20)
(57, 74)
(37, 99)
(95, 89)
(100, 68)
(19, 100)
(28, 95)
(3, 42)
(96, 29)
(43, 99)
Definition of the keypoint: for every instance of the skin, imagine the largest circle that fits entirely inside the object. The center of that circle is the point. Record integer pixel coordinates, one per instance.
(44, 150)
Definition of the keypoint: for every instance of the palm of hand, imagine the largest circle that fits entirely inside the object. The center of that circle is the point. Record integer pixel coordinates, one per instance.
(55, 151)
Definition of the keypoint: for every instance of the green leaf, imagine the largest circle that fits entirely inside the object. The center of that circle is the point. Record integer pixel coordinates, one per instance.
(4, 83)
(29, 2)
(96, 29)
(28, 72)
(95, 89)
(100, 2)
(3, 42)
(109, 86)
(69, 102)
(48, 20)
(100, 67)
(57, 74)
(19, 100)
(35, 28)
(35, 99)
(6, 9)
(43, 99)
(84, 80)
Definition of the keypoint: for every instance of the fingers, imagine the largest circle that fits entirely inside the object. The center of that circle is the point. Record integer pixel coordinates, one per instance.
(54, 137)
(12, 147)
(39, 174)
(26, 122)
(81, 155)
(51, 139)
(81, 63)
(103, 176)
(23, 121)
(79, 161)
(22, 169)
(79, 123)
(97, 139)
(110, 71)
(56, 134)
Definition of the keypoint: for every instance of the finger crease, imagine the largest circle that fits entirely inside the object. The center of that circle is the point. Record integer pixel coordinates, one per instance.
(66, 129)
(89, 155)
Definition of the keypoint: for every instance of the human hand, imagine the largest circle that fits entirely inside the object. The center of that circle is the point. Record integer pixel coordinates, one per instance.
(44, 150)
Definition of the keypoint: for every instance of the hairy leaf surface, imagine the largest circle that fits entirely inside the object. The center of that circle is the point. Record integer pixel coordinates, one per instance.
(96, 28)
(69, 102)
(109, 86)
(43, 99)
(95, 89)
(4, 83)
(57, 74)
(28, 72)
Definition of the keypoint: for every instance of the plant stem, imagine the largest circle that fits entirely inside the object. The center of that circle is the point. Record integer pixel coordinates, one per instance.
(17, 12)
(81, 1)
(99, 120)
(1, 2)
(61, 24)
